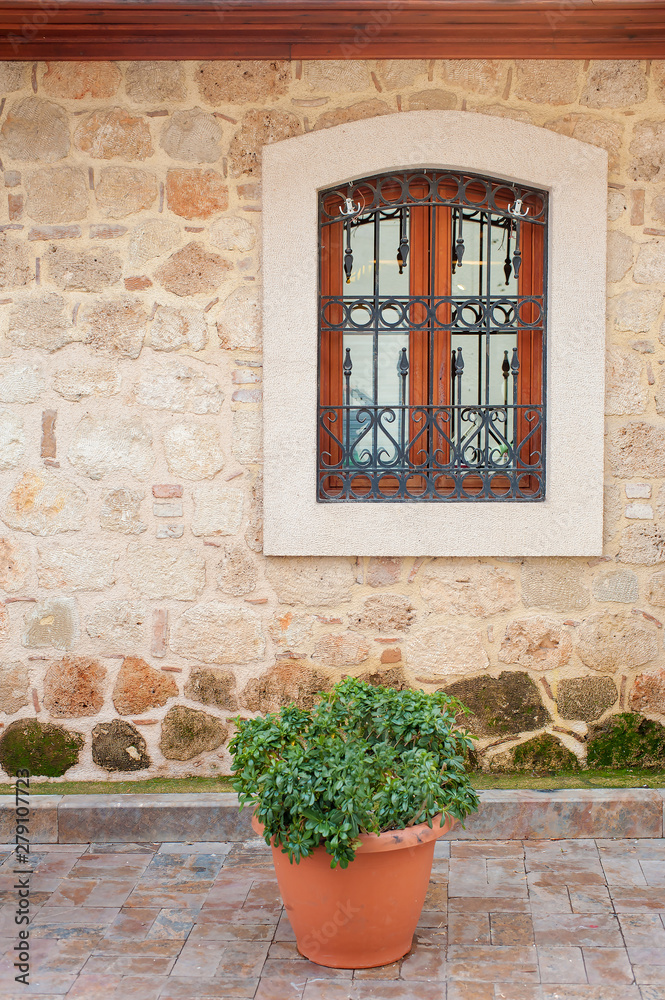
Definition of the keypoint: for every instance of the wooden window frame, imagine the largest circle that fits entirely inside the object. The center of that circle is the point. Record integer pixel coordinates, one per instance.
(430, 380)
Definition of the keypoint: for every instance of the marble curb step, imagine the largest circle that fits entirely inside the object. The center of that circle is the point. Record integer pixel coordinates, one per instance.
(183, 818)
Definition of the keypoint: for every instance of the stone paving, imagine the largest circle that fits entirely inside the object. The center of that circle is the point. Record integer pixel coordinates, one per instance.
(503, 920)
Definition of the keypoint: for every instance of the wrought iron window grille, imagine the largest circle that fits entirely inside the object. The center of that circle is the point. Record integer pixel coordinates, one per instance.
(468, 422)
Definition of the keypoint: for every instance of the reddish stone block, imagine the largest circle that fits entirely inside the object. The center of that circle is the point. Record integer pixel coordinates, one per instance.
(48, 433)
(167, 491)
(138, 283)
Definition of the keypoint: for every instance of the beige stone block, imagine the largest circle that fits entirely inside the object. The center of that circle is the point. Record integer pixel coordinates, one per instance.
(196, 194)
(40, 321)
(384, 614)
(614, 83)
(153, 238)
(74, 687)
(249, 81)
(237, 573)
(616, 205)
(311, 580)
(14, 685)
(172, 329)
(76, 384)
(463, 588)
(642, 544)
(218, 633)
(624, 391)
(122, 191)
(257, 129)
(442, 651)
(193, 136)
(635, 491)
(650, 264)
(4, 621)
(612, 510)
(12, 440)
(337, 76)
(57, 194)
(233, 233)
(247, 436)
(537, 643)
(103, 444)
(397, 73)
(648, 694)
(620, 250)
(432, 100)
(13, 76)
(555, 584)
(637, 449)
(213, 687)
(603, 132)
(382, 571)
(86, 271)
(295, 682)
(16, 265)
(35, 130)
(547, 81)
(14, 565)
(75, 568)
(186, 733)
(217, 510)
(20, 383)
(635, 311)
(74, 80)
(192, 270)
(139, 687)
(344, 650)
(53, 622)
(619, 585)
(115, 327)
(148, 82)
(239, 325)
(354, 113)
(611, 643)
(657, 590)
(193, 450)
(118, 622)
(165, 571)
(647, 151)
(176, 387)
(291, 632)
(254, 532)
(121, 511)
(483, 76)
(502, 111)
(44, 503)
(640, 511)
(112, 132)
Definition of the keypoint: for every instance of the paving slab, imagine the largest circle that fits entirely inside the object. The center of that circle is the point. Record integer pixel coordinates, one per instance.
(204, 920)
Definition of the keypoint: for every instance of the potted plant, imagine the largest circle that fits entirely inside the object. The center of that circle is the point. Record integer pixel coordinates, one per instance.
(352, 795)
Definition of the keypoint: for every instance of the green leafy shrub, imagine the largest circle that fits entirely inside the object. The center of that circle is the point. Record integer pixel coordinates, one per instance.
(364, 759)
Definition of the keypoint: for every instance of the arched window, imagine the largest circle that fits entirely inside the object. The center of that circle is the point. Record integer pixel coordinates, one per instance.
(432, 322)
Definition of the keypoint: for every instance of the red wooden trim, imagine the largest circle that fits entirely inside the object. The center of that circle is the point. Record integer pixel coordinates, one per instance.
(331, 29)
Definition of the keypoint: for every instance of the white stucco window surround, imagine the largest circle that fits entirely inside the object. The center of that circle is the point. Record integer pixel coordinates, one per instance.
(569, 521)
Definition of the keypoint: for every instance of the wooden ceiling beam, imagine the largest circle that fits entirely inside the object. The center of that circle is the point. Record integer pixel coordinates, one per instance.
(332, 29)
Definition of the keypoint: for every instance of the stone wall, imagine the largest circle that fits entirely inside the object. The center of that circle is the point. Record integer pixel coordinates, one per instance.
(139, 614)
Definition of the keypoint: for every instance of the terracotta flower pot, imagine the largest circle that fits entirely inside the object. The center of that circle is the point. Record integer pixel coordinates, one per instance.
(364, 915)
